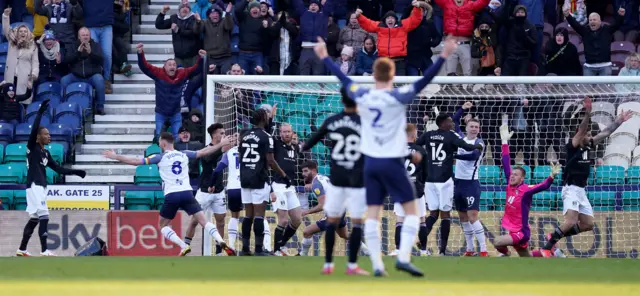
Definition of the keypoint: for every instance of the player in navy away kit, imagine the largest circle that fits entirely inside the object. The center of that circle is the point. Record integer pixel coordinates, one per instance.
(466, 191)
(384, 143)
(256, 156)
(577, 211)
(441, 146)
(347, 185)
(38, 159)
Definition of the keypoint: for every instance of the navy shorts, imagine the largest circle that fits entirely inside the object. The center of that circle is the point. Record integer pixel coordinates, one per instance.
(234, 200)
(387, 177)
(466, 195)
(322, 223)
(179, 200)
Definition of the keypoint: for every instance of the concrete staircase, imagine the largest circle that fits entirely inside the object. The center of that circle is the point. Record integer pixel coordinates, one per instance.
(129, 125)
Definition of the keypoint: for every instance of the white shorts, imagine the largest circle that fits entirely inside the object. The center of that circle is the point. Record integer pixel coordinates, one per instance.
(255, 196)
(575, 198)
(439, 196)
(212, 202)
(339, 199)
(421, 208)
(286, 198)
(37, 201)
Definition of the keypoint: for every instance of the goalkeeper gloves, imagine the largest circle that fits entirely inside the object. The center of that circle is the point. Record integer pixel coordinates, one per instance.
(505, 134)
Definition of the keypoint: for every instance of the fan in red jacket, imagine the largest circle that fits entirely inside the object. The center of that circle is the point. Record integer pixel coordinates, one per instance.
(459, 17)
(392, 35)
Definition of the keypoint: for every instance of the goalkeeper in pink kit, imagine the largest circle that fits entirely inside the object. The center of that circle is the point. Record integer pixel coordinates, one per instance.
(518, 203)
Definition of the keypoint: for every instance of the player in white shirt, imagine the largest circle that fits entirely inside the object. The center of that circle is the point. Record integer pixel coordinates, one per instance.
(384, 143)
(466, 192)
(174, 171)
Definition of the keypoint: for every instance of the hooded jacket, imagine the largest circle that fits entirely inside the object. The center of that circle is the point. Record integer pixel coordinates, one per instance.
(85, 65)
(521, 37)
(196, 129)
(10, 108)
(562, 59)
(392, 42)
(217, 36)
(364, 61)
(459, 20)
(312, 24)
(186, 42)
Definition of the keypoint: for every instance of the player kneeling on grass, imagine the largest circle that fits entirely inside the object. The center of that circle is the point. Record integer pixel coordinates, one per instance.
(518, 203)
(174, 171)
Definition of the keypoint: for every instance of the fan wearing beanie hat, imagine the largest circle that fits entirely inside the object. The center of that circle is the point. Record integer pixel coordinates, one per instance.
(10, 102)
(253, 36)
(217, 37)
(345, 61)
(49, 57)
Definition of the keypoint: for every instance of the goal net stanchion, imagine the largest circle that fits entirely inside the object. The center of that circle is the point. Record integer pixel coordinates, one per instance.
(542, 111)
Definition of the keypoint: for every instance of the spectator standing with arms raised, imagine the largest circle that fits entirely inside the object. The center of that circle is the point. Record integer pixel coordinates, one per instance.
(22, 58)
(63, 16)
(459, 17)
(85, 62)
(217, 37)
(420, 41)
(184, 36)
(168, 86)
(314, 22)
(392, 35)
(596, 38)
(253, 35)
(98, 17)
(284, 52)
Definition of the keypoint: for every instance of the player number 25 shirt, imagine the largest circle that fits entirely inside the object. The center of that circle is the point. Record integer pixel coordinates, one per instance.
(254, 146)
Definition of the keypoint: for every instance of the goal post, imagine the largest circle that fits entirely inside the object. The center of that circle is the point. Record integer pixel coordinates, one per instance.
(543, 112)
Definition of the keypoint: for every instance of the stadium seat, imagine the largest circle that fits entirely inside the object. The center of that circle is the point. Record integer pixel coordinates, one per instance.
(32, 111)
(631, 198)
(80, 93)
(633, 106)
(20, 200)
(545, 199)
(4, 48)
(633, 175)
(301, 123)
(139, 200)
(15, 153)
(57, 152)
(624, 47)
(51, 91)
(7, 199)
(13, 173)
(602, 200)
(147, 175)
(329, 104)
(500, 198)
(17, 24)
(61, 133)
(3, 66)
(71, 115)
(52, 176)
(159, 200)
(22, 133)
(3, 59)
(303, 103)
(152, 150)
(320, 152)
(548, 30)
(324, 170)
(489, 175)
(6, 132)
(609, 175)
(321, 117)
(1, 154)
(617, 155)
(486, 200)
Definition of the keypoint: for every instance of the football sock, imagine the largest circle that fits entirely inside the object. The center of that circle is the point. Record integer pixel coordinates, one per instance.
(408, 235)
(355, 242)
(372, 237)
(329, 241)
(555, 237)
(422, 236)
(28, 231)
(503, 250)
(478, 231)
(289, 232)
(573, 231)
(247, 224)
(445, 227)
(258, 230)
(306, 245)
(536, 253)
(429, 222)
(397, 234)
(211, 229)
(187, 240)
(218, 249)
(277, 240)
(468, 235)
(171, 235)
(42, 232)
(267, 235)
(233, 232)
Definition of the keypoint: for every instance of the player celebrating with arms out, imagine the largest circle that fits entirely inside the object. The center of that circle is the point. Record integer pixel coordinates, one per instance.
(441, 145)
(577, 211)
(415, 164)
(466, 190)
(383, 114)
(256, 156)
(174, 171)
(38, 159)
(518, 202)
(346, 190)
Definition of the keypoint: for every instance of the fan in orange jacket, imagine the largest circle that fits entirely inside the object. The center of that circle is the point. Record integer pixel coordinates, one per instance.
(392, 35)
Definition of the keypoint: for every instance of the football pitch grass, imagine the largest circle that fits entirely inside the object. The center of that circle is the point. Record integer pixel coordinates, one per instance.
(266, 276)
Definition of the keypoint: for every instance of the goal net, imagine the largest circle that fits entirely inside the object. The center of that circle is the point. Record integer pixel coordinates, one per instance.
(543, 112)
